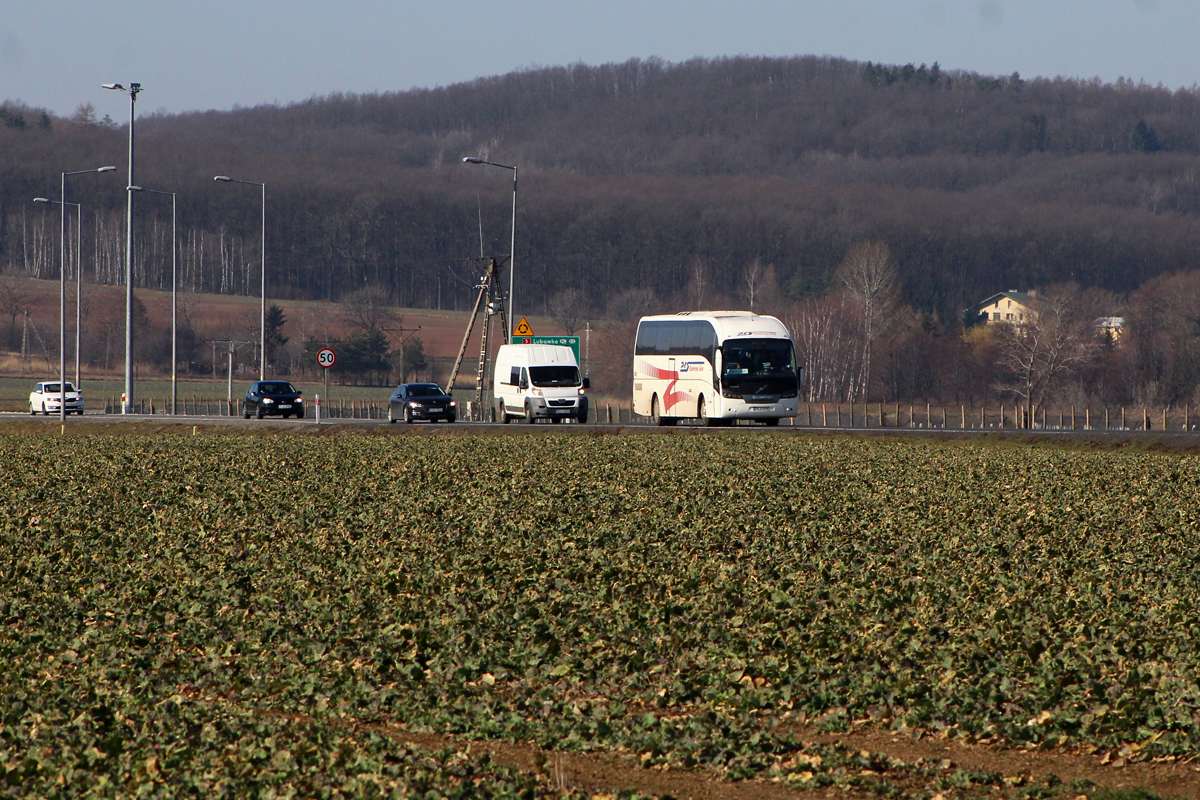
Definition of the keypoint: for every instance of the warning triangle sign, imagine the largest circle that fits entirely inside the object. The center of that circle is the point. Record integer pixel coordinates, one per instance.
(523, 329)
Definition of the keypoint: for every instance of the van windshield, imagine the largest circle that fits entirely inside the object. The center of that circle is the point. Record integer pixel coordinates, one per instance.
(554, 376)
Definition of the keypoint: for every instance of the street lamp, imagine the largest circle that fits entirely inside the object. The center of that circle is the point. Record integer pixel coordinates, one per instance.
(262, 325)
(174, 305)
(512, 248)
(62, 287)
(127, 403)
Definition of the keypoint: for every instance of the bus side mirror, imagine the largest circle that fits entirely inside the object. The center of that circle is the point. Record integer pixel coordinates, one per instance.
(587, 383)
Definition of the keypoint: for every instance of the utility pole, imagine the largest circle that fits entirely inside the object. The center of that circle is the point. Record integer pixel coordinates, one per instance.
(233, 346)
(489, 300)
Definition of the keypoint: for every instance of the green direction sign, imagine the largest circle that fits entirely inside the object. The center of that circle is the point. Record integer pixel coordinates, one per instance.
(566, 341)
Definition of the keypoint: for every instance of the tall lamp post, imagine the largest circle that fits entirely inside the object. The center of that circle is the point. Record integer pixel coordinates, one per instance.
(512, 248)
(174, 304)
(62, 285)
(127, 403)
(262, 325)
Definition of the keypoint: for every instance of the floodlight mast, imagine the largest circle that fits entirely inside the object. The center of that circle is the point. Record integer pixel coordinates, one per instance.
(127, 401)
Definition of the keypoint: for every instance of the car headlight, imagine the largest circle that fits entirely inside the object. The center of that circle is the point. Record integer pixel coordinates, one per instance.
(415, 404)
(453, 404)
(267, 401)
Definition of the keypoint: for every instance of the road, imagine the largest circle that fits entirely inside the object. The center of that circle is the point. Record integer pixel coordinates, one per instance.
(1152, 439)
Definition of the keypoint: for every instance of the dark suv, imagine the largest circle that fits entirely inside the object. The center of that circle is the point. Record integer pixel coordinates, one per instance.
(272, 398)
(421, 401)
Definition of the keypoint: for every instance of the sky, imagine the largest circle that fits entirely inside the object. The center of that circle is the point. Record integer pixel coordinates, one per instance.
(221, 54)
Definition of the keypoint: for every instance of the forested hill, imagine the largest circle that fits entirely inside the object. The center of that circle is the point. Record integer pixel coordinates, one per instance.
(748, 116)
(653, 175)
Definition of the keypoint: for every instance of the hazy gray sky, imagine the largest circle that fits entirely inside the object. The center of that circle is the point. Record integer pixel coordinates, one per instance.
(221, 53)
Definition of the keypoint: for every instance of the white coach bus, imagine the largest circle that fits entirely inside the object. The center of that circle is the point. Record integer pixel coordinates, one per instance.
(714, 366)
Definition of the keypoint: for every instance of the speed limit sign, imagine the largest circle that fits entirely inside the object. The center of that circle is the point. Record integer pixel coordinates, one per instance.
(326, 357)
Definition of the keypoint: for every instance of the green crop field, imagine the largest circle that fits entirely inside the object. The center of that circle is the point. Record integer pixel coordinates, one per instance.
(226, 616)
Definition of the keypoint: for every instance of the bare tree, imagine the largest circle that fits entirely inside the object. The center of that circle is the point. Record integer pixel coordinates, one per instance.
(868, 277)
(568, 308)
(752, 277)
(699, 283)
(824, 331)
(1039, 353)
(632, 304)
(368, 309)
(16, 299)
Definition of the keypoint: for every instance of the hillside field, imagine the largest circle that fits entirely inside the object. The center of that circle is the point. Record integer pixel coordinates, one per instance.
(771, 616)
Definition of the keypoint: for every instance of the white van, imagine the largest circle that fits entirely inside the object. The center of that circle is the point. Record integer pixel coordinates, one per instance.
(538, 381)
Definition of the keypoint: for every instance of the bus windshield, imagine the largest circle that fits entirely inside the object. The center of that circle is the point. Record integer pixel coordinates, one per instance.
(758, 367)
(554, 376)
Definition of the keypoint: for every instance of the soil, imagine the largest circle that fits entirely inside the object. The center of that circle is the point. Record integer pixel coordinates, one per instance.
(608, 773)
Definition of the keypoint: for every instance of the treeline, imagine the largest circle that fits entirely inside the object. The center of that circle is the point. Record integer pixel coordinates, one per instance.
(644, 174)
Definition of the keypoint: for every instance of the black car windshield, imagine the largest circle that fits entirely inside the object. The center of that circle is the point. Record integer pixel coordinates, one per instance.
(276, 387)
(554, 376)
(759, 366)
(425, 390)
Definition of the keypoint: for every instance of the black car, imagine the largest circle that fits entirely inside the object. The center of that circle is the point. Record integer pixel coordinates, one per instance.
(272, 398)
(421, 401)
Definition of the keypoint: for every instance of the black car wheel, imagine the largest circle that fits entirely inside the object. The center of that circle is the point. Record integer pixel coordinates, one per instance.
(408, 415)
(391, 415)
(245, 411)
(259, 414)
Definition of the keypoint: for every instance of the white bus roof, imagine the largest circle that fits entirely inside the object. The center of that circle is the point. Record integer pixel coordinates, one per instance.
(731, 324)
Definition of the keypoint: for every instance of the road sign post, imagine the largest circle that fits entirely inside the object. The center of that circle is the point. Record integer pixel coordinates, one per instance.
(326, 358)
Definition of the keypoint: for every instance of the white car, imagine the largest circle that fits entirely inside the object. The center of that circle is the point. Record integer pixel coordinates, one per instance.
(46, 396)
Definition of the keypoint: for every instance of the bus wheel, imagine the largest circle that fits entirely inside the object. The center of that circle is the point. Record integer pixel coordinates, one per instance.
(771, 422)
(702, 414)
(655, 413)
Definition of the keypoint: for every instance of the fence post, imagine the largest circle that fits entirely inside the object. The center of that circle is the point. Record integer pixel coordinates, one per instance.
(318, 409)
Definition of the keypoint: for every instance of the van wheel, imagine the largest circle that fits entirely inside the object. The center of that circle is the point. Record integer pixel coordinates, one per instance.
(501, 414)
(528, 413)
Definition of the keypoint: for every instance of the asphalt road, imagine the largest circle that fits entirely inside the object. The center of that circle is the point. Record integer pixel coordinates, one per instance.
(1152, 439)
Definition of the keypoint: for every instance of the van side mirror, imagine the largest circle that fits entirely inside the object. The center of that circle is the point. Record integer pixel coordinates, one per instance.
(587, 383)
(524, 382)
